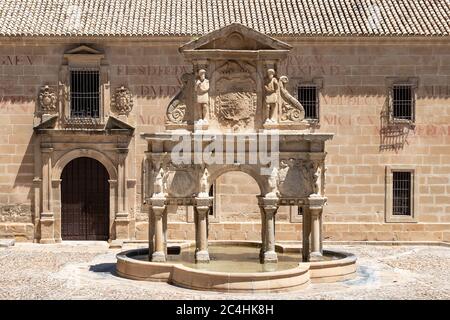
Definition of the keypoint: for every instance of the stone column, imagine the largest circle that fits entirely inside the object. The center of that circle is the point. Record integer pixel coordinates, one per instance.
(202, 207)
(158, 208)
(47, 217)
(263, 235)
(270, 207)
(122, 219)
(316, 207)
(306, 233)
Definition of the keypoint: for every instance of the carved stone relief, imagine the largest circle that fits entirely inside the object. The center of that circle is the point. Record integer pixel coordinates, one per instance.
(123, 100)
(177, 110)
(47, 100)
(235, 102)
(297, 177)
(291, 108)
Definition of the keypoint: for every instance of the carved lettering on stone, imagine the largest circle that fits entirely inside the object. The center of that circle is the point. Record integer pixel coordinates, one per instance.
(47, 100)
(291, 108)
(123, 100)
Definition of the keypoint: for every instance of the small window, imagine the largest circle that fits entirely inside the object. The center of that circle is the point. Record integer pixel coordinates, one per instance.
(308, 97)
(84, 93)
(401, 193)
(402, 102)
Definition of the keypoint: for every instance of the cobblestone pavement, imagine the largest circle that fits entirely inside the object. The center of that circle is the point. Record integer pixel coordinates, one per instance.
(86, 271)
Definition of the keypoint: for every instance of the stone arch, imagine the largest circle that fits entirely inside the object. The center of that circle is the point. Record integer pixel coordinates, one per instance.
(241, 186)
(90, 153)
(248, 169)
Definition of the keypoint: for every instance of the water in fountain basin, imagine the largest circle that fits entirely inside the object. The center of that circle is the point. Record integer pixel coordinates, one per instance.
(234, 258)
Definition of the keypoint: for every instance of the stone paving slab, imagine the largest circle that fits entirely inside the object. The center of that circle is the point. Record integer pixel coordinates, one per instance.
(75, 270)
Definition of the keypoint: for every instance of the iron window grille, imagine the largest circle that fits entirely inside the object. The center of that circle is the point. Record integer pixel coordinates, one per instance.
(402, 102)
(309, 98)
(84, 93)
(401, 193)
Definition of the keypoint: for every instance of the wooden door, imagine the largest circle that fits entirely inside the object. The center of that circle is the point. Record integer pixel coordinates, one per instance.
(84, 200)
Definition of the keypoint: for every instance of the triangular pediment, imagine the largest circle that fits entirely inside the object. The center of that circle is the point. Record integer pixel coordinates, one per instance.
(114, 123)
(83, 49)
(235, 37)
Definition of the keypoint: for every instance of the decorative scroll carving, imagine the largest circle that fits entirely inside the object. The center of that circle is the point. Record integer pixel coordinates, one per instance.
(47, 100)
(123, 100)
(291, 108)
(176, 112)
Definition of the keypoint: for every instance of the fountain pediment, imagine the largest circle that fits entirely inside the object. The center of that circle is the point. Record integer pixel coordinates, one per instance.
(235, 37)
(235, 86)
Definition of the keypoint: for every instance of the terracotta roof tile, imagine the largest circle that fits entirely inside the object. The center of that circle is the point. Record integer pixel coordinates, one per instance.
(197, 17)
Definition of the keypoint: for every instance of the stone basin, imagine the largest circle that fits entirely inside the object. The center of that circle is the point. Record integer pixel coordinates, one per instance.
(235, 267)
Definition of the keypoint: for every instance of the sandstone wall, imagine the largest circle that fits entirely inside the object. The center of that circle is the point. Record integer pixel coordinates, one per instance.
(352, 98)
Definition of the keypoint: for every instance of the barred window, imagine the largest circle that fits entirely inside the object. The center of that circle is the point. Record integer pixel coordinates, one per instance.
(308, 97)
(84, 93)
(402, 102)
(402, 193)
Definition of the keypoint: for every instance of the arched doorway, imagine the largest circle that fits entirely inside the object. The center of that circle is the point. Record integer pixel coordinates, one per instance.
(84, 200)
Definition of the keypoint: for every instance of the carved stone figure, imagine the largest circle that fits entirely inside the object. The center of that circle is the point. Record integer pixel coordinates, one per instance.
(201, 89)
(273, 184)
(204, 192)
(176, 112)
(47, 100)
(159, 186)
(123, 101)
(291, 108)
(271, 99)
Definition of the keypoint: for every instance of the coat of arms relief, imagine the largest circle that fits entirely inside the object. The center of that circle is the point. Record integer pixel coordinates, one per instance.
(235, 98)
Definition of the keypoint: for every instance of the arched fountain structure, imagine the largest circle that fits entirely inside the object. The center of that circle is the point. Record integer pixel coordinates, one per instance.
(234, 112)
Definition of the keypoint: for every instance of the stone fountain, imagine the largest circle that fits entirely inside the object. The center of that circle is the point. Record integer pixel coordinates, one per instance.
(235, 113)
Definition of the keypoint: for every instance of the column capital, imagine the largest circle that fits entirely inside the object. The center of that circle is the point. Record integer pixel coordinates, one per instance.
(316, 202)
(158, 205)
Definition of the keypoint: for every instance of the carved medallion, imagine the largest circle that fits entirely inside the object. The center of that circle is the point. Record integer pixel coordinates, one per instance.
(123, 100)
(235, 102)
(236, 109)
(47, 100)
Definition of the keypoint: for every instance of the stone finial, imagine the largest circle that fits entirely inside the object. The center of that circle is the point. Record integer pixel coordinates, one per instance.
(123, 100)
(47, 100)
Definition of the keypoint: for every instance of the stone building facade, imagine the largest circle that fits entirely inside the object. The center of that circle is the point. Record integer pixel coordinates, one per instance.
(353, 67)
